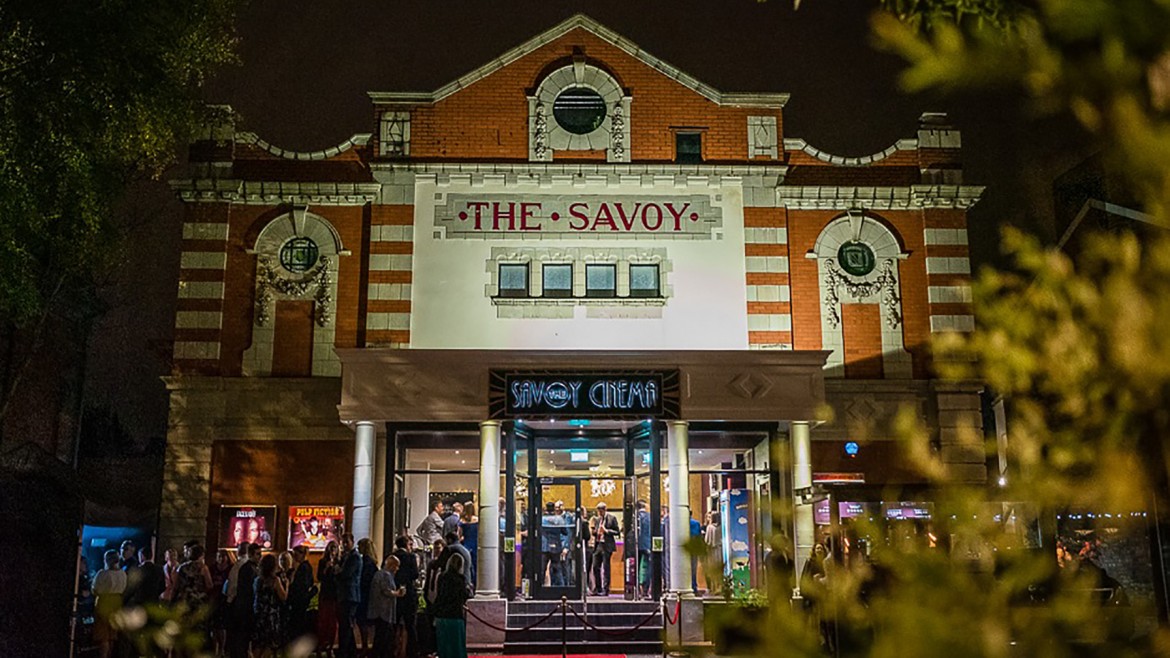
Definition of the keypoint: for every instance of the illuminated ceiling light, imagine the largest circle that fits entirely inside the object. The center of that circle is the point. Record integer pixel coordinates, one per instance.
(457, 452)
(1002, 481)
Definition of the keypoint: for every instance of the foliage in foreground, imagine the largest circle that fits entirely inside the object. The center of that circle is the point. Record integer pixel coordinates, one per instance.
(1078, 346)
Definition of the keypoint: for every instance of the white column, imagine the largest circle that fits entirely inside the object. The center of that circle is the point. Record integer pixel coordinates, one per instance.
(365, 435)
(678, 472)
(805, 528)
(488, 554)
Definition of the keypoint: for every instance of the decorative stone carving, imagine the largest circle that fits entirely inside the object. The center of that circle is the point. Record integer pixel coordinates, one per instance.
(617, 131)
(540, 133)
(750, 385)
(270, 280)
(885, 284)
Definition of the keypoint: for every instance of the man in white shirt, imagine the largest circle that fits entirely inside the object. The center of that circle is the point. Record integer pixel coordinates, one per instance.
(233, 581)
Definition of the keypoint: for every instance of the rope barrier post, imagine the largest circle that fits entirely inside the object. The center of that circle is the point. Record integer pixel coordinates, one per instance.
(677, 622)
(665, 628)
(564, 627)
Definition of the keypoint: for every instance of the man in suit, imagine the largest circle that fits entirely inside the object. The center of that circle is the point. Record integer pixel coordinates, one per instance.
(644, 543)
(145, 582)
(455, 547)
(451, 523)
(349, 594)
(407, 576)
(241, 600)
(605, 531)
(431, 528)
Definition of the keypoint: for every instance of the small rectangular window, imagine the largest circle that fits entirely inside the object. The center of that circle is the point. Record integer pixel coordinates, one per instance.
(688, 147)
(513, 280)
(558, 280)
(600, 281)
(644, 281)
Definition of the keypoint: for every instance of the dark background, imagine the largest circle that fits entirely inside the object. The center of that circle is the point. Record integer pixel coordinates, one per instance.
(306, 67)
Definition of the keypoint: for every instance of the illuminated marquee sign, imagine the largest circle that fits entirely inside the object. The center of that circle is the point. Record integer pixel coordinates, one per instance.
(550, 394)
(579, 215)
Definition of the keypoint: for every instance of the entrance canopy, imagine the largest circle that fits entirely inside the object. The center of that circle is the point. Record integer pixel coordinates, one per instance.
(405, 385)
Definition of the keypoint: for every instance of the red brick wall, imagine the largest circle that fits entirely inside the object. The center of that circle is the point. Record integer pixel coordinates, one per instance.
(489, 119)
(292, 344)
(804, 226)
(861, 327)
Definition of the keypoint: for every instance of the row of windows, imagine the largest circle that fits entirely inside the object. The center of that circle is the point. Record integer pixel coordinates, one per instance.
(557, 280)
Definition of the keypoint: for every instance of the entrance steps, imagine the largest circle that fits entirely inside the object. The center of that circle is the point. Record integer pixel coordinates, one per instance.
(612, 617)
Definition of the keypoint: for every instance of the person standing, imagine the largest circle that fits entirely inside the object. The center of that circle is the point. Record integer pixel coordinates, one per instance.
(426, 620)
(644, 544)
(327, 599)
(713, 537)
(365, 623)
(451, 521)
(108, 586)
(300, 593)
(382, 608)
(407, 606)
(127, 555)
(455, 547)
(193, 591)
(696, 531)
(220, 572)
(469, 537)
(170, 566)
(145, 582)
(241, 604)
(605, 531)
(349, 595)
(430, 529)
(554, 539)
(268, 635)
(450, 624)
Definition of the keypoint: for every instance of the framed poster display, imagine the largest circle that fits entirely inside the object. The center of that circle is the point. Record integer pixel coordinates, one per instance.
(247, 523)
(314, 526)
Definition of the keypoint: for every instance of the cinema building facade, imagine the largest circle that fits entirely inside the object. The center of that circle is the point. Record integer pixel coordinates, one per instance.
(575, 274)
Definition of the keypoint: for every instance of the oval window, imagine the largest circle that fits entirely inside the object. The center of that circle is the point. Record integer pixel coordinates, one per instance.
(579, 110)
(299, 255)
(856, 258)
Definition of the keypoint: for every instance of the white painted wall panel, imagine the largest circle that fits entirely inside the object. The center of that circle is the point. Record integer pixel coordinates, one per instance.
(706, 307)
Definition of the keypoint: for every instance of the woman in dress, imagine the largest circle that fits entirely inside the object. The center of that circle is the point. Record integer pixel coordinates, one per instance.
(284, 571)
(170, 567)
(327, 570)
(219, 576)
(469, 526)
(365, 624)
(450, 624)
(193, 590)
(268, 632)
(108, 586)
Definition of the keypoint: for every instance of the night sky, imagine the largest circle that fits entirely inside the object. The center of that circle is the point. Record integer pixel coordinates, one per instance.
(306, 67)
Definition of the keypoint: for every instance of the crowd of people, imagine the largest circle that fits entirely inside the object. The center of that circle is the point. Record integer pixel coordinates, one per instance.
(254, 604)
(567, 537)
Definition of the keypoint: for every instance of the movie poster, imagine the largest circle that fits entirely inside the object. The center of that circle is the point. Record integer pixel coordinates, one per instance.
(252, 524)
(314, 526)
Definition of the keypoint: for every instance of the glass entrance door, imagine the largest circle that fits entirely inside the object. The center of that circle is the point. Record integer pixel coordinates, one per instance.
(591, 473)
(561, 565)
